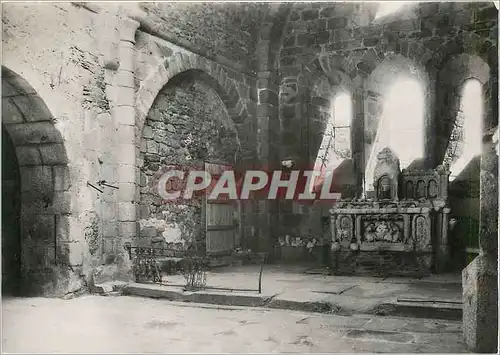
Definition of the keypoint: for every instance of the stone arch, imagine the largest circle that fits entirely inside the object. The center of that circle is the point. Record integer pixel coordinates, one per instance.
(471, 44)
(45, 204)
(271, 35)
(180, 62)
(188, 125)
(322, 85)
(464, 43)
(376, 84)
(452, 77)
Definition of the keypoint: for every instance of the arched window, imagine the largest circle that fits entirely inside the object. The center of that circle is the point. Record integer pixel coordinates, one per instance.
(401, 125)
(465, 139)
(336, 143)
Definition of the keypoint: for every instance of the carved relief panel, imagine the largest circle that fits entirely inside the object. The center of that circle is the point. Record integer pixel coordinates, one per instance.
(345, 229)
(389, 230)
(421, 231)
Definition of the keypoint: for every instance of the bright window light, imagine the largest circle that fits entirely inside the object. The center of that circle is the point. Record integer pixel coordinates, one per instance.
(387, 8)
(401, 126)
(471, 106)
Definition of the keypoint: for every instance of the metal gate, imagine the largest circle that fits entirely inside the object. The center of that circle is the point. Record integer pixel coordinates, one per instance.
(221, 225)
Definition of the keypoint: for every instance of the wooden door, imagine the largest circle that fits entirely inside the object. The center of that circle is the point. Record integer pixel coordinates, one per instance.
(221, 218)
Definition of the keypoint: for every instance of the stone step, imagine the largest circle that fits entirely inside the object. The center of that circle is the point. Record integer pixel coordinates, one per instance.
(433, 309)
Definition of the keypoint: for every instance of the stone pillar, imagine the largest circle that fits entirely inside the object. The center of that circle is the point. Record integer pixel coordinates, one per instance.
(443, 255)
(357, 137)
(406, 227)
(267, 155)
(480, 277)
(333, 226)
(125, 118)
(358, 229)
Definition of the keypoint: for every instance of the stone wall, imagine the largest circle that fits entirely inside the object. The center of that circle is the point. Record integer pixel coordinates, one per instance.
(344, 39)
(83, 83)
(213, 30)
(346, 48)
(54, 106)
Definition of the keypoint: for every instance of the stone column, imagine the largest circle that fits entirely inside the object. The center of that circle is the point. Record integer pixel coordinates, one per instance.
(443, 255)
(480, 277)
(406, 227)
(358, 229)
(333, 226)
(268, 128)
(357, 134)
(125, 118)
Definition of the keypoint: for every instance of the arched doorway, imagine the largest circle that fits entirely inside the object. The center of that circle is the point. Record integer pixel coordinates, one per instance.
(189, 126)
(11, 219)
(35, 188)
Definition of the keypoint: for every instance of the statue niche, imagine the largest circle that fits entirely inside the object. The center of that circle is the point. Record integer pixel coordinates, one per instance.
(386, 175)
(384, 191)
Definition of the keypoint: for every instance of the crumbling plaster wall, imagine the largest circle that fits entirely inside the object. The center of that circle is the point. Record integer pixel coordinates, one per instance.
(187, 125)
(54, 47)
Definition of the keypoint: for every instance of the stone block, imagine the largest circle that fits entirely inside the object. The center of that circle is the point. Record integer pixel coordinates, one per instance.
(268, 96)
(152, 147)
(126, 212)
(126, 192)
(125, 79)
(39, 228)
(144, 211)
(53, 154)
(322, 37)
(126, 173)
(126, 52)
(62, 180)
(128, 229)
(125, 96)
(108, 211)
(33, 108)
(10, 113)
(125, 114)
(62, 202)
(71, 253)
(37, 179)
(28, 156)
(148, 232)
(63, 228)
(126, 153)
(335, 23)
(33, 133)
(480, 304)
(126, 134)
(147, 132)
(310, 14)
(109, 229)
(39, 255)
(289, 41)
(306, 39)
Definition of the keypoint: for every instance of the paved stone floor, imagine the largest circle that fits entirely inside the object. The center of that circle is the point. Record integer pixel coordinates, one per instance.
(92, 324)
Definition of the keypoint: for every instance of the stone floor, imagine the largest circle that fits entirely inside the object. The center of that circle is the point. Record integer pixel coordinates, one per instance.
(351, 294)
(97, 324)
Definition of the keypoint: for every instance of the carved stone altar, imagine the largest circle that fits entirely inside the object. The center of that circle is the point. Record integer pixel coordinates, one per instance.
(403, 231)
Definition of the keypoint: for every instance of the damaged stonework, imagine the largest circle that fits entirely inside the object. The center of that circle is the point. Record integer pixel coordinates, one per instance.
(187, 125)
(179, 226)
